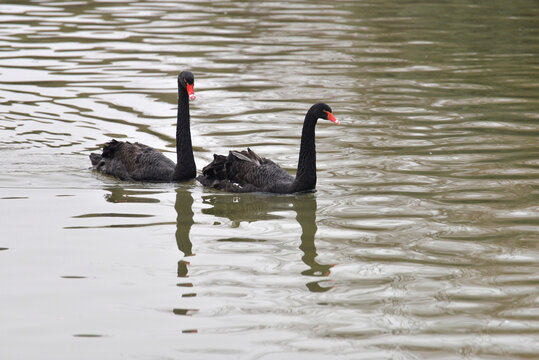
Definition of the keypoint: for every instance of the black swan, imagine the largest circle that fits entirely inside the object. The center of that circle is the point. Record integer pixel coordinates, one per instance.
(245, 171)
(140, 162)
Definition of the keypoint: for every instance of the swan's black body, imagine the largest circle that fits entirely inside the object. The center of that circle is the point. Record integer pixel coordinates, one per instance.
(138, 162)
(245, 171)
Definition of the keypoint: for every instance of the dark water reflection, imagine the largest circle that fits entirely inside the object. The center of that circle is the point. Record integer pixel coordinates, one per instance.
(421, 241)
(120, 194)
(306, 216)
(253, 207)
(184, 221)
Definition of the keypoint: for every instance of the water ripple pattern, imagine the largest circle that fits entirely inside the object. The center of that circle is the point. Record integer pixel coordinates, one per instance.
(420, 242)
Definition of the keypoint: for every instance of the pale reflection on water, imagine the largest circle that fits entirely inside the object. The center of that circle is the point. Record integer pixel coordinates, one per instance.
(421, 241)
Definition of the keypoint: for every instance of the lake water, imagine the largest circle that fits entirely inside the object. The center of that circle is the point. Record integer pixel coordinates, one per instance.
(421, 241)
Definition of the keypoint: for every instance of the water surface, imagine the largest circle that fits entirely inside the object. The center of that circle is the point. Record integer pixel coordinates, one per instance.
(420, 243)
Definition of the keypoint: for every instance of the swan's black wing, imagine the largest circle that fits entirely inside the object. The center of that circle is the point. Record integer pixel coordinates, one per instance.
(133, 161)
(245, 171)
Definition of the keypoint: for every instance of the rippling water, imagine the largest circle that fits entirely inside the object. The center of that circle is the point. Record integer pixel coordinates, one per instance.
(421, 241)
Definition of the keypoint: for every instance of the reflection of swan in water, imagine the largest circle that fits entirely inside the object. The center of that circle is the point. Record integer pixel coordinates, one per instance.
(119, 194)
(246, 207)
(184, 211)
(184, 221)
(253, 207)
(306, 217)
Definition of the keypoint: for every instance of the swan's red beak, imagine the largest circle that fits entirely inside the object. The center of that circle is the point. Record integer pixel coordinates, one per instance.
(190, 91)
(332, 117)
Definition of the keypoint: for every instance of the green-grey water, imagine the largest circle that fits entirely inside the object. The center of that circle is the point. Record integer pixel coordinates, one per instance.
(420, 242)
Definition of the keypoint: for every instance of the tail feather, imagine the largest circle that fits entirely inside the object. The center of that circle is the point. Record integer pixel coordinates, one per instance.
(95, 159)
(257, 159)
(219, 174)
(216, 169)
(111, 147)
(249, 156)
(240, 156)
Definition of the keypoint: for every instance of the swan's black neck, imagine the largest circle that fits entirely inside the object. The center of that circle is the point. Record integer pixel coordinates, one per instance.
(306, 173)
(185, 164)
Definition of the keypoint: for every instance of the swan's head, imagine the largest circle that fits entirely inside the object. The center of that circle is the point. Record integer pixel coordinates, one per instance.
(186, 79)
(323, 111)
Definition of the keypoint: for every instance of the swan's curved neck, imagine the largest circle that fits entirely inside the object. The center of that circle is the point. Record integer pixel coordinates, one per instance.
(185, 164)
(306, 173)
